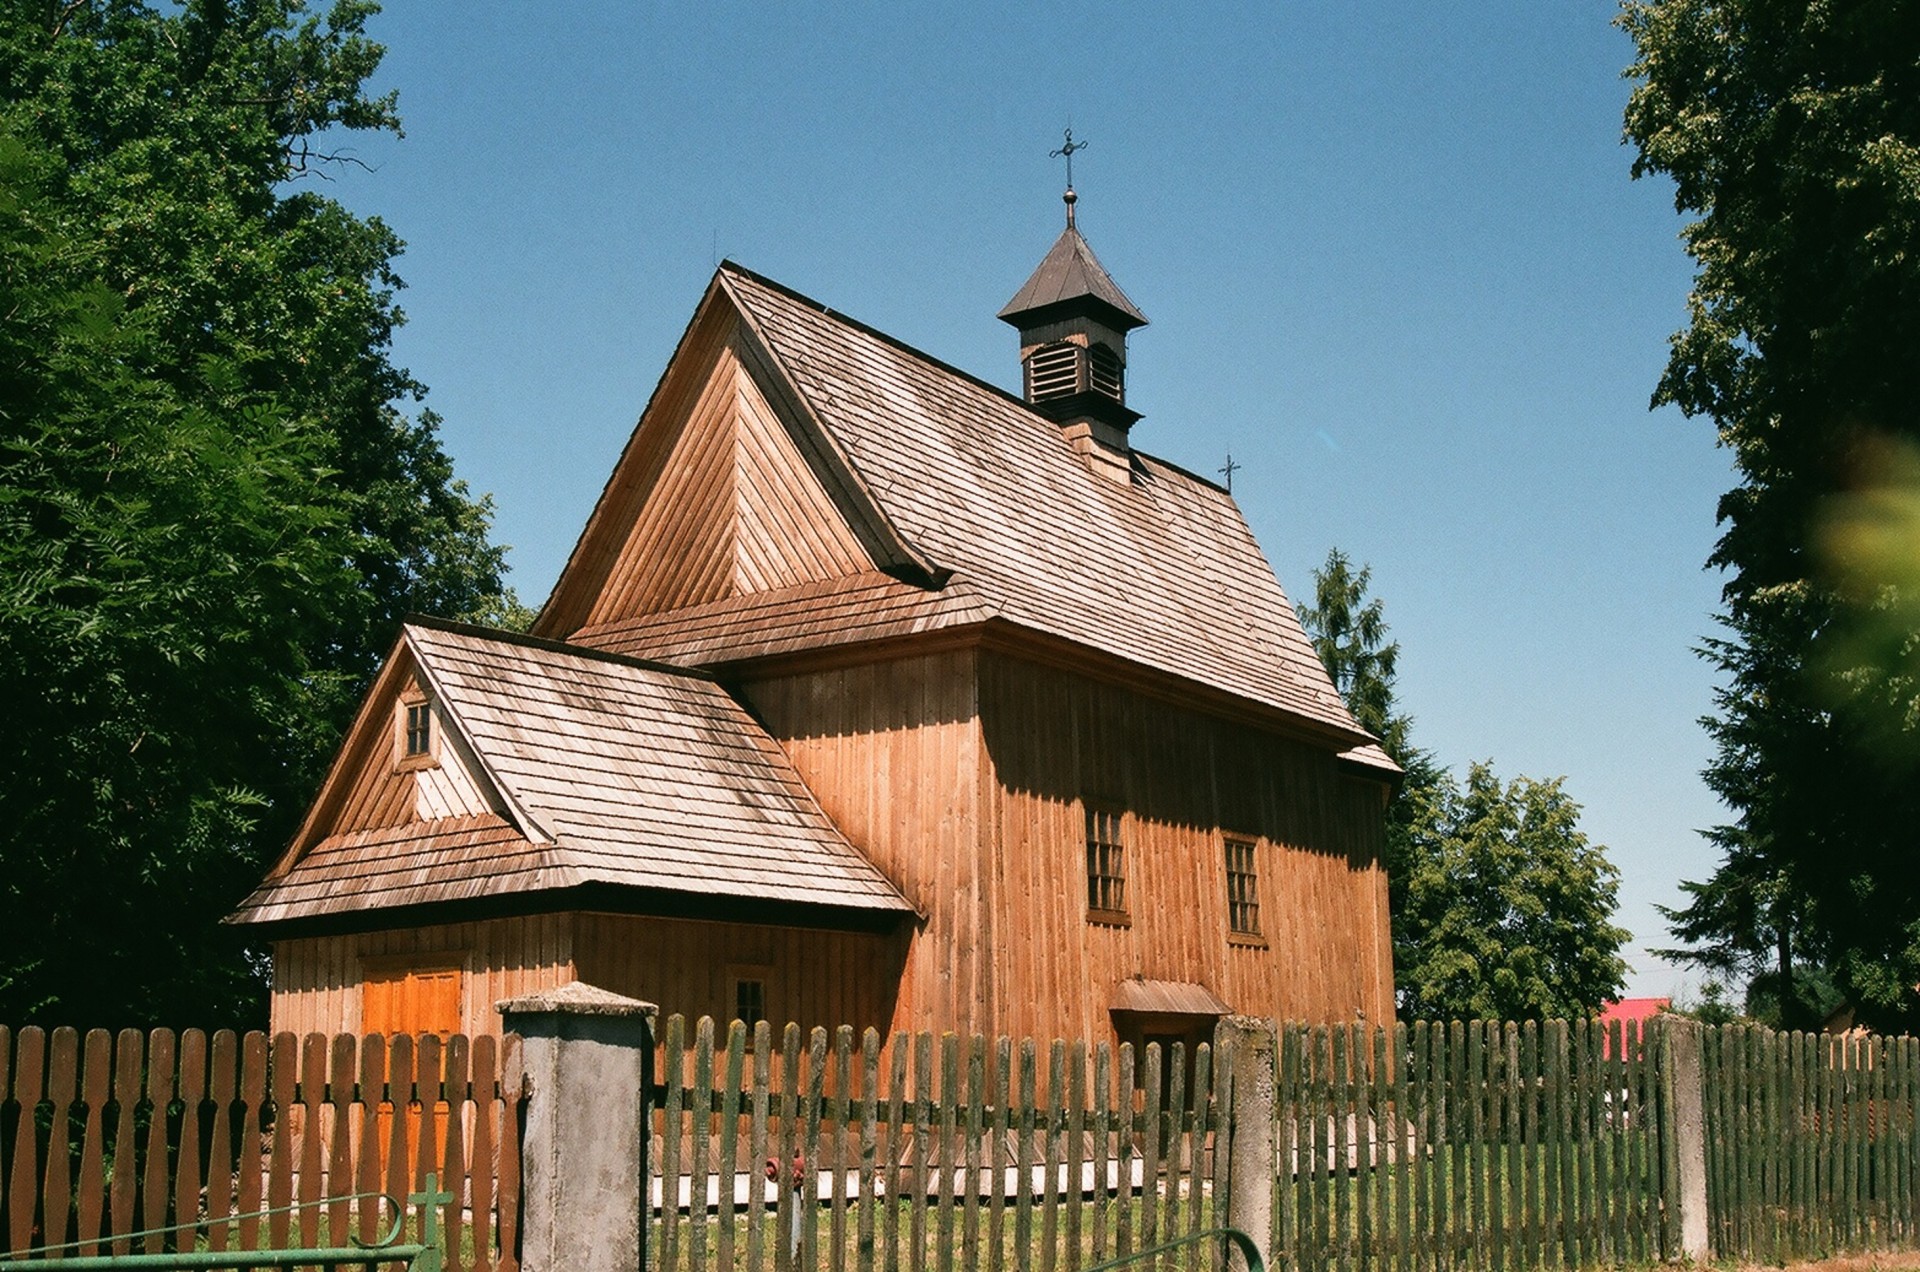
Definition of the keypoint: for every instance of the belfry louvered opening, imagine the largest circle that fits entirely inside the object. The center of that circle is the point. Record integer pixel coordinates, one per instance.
(1104, 372)
(1053, 371)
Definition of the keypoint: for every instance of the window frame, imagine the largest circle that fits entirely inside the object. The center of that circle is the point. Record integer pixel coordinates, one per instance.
(1106, 864)
(1247, 903)
(405, 759)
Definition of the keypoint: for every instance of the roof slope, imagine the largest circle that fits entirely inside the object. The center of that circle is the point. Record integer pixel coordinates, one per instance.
(624, 774)
(1163, 571)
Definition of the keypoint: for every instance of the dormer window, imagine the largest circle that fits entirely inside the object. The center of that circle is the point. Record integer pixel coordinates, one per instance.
(419, 729)
(413, 742)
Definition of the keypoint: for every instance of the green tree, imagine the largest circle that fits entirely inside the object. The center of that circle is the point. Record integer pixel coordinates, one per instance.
(1499, 904)
(1508, 903)
(214, 504)
(1792, 134)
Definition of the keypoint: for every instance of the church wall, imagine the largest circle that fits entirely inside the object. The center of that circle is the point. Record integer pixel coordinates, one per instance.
(688, 966)
(1182, 783)
(964, 776)
(319, 981)
(809, 976)
(892, 751)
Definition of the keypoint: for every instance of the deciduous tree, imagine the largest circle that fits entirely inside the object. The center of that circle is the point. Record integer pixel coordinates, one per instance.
(1791, 132)
(217, 493)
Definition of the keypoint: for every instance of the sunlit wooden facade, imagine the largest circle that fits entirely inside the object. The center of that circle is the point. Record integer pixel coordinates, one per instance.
(871, 695)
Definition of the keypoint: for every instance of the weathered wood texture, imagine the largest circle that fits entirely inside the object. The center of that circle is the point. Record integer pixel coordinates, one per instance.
(712, 499)
(1184, 781)
(893, 753)
(616, 773)
(179, 1135)
(319, 982)
(364, 981)
(1813, 1143)
(690, 968)
(964, 777)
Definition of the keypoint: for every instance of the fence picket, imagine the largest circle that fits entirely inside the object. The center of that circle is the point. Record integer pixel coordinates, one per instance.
(672, 1105)
(1076, 1146)
(973, 1168)
(731, 1089)
(842, 1061)
(1104, 1155)
(699, 1165)
(366, 1175)
(899, 1143)
(757, 1142)
(1202, 1098)
(480, 1161)
(29, 1070)
(1049, 1124)
(63, 1084)
(946, 1146)
(870, 1184)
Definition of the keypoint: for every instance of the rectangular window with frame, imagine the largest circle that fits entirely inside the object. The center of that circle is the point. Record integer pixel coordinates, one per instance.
(749, 1002)
(1106, 865)
(1243, 889)
(419, 729)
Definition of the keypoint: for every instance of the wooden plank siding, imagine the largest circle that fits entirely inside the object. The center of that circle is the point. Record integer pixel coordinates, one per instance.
(722, 504)
(963, 776)
(319, 982)
(816, 977)
(892, 752)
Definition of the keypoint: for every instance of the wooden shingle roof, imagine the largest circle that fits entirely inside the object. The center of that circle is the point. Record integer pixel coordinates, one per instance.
(1162, 571)
(615, 774)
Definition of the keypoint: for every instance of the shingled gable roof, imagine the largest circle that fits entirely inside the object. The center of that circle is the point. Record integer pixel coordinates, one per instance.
(615, 775)
(1161, 572)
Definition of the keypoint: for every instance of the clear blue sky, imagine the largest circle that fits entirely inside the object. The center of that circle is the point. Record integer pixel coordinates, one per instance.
(1391, 252)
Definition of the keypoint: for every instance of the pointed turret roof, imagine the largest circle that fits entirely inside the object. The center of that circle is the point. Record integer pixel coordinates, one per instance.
(1071, 279)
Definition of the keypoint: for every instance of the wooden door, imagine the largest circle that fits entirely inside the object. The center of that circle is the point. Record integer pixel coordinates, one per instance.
(402, 999)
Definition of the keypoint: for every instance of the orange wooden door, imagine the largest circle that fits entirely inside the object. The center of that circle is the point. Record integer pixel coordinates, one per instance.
(412, 1001)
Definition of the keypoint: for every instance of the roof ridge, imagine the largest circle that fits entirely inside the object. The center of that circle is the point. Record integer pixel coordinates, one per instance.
(845, 319)
(504, 637)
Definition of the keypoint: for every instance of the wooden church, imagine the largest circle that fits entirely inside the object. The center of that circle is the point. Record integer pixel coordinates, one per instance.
(871, 694)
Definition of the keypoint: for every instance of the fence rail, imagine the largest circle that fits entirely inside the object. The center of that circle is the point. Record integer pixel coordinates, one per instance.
(186, 1137)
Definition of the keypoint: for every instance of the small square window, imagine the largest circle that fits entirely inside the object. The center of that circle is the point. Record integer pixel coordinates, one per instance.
(419, 729)
(1243, 889)
(749, 1002)
(1106, 865)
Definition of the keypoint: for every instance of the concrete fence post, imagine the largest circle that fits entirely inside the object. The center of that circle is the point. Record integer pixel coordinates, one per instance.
(1247, 1139)
(588, 1056)
(1683, 1137)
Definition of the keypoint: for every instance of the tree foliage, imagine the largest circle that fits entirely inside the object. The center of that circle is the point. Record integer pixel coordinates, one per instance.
(214, 504)
(1792, 135)
(1512, 905)
(1500, 906)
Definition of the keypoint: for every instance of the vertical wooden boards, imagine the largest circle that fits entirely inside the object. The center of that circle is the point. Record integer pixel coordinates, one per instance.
(155, 1143)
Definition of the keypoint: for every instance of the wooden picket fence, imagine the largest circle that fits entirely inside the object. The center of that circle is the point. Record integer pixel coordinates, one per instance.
(1812, 1142)
(103, 1136)
(923, 1152)
(1426, 1148)
(1471, 1144)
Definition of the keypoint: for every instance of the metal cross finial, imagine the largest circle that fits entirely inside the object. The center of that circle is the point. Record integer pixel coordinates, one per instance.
(1066, 152)
(1228, 469)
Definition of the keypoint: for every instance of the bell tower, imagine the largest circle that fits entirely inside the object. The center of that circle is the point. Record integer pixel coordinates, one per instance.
(1073, 323)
